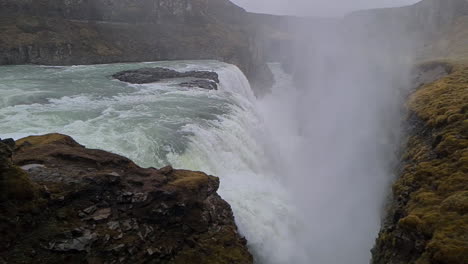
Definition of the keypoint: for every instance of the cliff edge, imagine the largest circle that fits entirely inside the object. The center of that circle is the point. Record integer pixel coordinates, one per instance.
(427, 219)
(64, 203)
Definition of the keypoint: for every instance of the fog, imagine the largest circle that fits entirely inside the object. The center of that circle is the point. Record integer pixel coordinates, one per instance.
(334, 136)
(317, 7)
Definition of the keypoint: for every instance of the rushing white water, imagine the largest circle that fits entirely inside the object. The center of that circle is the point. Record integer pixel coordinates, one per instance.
(296, 184)
(219, 132)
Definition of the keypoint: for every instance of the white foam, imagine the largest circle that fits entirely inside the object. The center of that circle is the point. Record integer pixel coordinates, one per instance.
(219, 132)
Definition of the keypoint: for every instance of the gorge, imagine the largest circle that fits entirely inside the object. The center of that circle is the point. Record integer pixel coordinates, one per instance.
(335, 140)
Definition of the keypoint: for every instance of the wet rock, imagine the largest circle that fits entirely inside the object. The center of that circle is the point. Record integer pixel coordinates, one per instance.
(150, 75)
(205, 84)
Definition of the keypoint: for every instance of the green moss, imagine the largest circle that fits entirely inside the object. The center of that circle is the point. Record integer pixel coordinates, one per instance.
(457, 202)
(220, 249)
(434, 181)
(43, 140)
(411, 222)
(16, 185)
(189, 179)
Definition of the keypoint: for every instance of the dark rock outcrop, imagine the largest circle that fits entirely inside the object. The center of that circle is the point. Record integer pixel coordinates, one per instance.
(205, 84)
(209, 80)
(91, 206)
(59, 32)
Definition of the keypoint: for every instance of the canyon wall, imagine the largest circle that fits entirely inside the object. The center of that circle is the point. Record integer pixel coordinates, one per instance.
(59, 32)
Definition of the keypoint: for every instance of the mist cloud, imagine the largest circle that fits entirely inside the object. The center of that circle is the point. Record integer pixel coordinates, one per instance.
(317, 7)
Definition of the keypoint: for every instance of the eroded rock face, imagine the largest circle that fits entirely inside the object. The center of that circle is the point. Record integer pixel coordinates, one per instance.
(97, 207)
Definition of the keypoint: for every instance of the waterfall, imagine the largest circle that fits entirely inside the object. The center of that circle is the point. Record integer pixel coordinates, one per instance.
(301, 168)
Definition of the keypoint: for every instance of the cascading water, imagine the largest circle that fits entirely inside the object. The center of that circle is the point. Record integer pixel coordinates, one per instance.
(295, 191)
(218, 132)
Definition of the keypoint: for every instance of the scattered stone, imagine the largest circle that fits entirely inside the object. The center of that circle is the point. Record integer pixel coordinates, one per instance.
(101, 214)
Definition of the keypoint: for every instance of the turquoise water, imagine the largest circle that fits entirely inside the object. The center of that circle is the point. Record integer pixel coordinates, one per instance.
(146, 121)
(218, 132)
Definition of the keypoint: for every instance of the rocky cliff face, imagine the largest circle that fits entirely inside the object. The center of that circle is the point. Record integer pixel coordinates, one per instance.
(427, 220)
(87, 32)
(63, 203)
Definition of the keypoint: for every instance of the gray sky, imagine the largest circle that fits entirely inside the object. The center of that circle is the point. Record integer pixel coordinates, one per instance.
(316, 7)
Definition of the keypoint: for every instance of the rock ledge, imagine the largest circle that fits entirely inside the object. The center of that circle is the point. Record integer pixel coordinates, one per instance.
(76, 205)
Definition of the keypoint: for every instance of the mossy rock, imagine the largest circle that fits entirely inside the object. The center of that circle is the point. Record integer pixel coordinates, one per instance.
(457, 202)
(431, 198)
(35, 141)
(16, 185)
